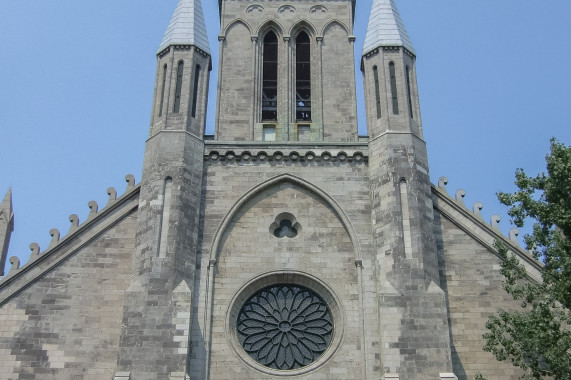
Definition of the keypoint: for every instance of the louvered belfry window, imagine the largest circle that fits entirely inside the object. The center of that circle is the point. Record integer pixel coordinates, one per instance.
(302, 78)
(270, 78)
(195, 90)
(409, 95)
(394, 94)
(377, 94)
(178, 88)
(163, 89)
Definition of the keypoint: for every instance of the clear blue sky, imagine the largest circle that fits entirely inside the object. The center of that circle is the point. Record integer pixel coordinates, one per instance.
(77, 77)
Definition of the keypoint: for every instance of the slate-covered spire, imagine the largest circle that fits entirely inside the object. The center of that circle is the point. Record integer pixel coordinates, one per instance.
(386, 27)
(187, 27)
(6, 228)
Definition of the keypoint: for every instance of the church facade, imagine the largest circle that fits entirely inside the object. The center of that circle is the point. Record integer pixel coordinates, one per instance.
(283, 246)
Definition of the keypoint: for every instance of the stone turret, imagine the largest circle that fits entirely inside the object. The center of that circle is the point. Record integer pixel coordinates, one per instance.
(6, 228)
(169, 206)
(411, 303)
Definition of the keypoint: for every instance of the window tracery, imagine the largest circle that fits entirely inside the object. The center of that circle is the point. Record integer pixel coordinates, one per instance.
(285, 326)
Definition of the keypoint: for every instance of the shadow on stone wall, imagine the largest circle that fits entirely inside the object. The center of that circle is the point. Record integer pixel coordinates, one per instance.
(457, 366)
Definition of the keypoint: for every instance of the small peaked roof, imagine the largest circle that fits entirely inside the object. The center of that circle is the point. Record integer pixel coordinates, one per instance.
(186, 27)
(385, 27)
(7, 202)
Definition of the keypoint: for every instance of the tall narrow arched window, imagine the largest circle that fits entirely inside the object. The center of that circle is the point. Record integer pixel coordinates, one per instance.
(377, 93)
(195, 90)
(165, 216)
(302, 78)
(409, 96)
(163, 89)
(394, 94)
(270, 78)
(178, 88)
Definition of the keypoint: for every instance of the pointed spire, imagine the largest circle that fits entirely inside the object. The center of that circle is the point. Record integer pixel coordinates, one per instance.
(6, 228)
(386, 27)
(187, 27)
(7, 203)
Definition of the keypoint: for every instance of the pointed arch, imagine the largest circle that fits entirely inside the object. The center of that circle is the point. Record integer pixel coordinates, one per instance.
(334, 22)
(269, 25)
(272, 182)
(233, 23)
(302, 25)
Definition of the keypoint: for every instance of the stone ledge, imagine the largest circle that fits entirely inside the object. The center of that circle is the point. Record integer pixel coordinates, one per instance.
(293, 155)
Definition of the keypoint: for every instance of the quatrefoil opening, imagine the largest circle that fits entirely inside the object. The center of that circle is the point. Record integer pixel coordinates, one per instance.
(285, 226)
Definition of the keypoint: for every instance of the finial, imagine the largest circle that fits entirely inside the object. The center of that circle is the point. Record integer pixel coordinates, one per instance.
(35, 248)
(495, 222)
(93, 208)
(130, 179)
(478, 206)
(112, 196)
(54, 233)
(514, 232)
(74, 219)
(15, 261)
(460, 194)
(442, 182)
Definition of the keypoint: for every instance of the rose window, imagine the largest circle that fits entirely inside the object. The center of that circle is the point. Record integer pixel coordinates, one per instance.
(285, 326)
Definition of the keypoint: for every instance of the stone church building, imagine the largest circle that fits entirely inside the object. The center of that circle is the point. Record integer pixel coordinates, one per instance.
(283, 246)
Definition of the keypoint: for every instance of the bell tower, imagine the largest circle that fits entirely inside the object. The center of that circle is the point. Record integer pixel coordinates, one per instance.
(286, 72)
(411, 303)
(164, 261)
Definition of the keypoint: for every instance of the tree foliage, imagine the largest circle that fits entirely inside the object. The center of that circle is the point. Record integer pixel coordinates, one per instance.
(537, 337)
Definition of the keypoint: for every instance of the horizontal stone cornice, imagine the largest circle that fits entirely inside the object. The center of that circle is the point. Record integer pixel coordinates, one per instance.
(353, 152)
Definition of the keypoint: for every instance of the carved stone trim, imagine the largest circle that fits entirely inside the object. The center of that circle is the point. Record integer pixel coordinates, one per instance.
(230, 156)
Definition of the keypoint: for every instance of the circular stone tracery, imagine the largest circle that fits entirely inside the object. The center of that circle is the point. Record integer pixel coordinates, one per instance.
(285, 326)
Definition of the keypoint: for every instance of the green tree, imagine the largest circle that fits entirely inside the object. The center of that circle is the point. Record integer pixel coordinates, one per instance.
(537, 337)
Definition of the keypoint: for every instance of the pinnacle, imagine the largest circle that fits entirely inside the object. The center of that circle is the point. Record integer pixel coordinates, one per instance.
(186, 27)
(386, 27)
(7, 202)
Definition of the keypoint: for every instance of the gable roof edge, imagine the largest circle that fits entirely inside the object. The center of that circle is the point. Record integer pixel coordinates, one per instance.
(30, 271)
(440, 195)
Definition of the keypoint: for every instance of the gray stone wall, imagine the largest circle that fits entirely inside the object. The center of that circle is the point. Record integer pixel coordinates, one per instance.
(470, 275)
(154, 336)
(339, 106)
(66, 324)
(243, 28)
(414, 327)
(154, 340)
(247, 250)
(235, 85)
